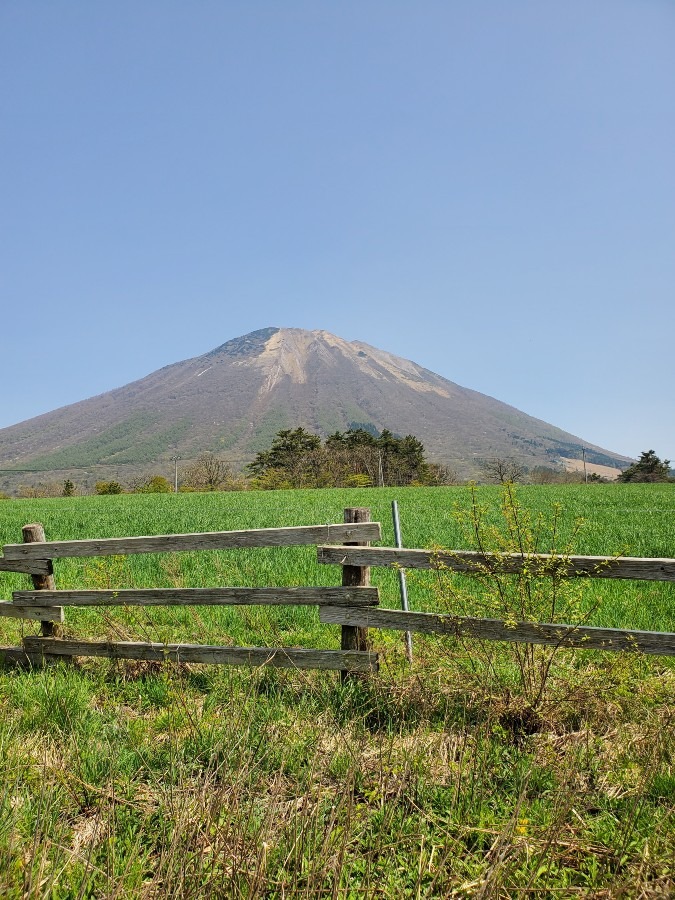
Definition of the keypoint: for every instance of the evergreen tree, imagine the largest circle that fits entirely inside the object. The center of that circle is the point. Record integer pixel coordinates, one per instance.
(648, 468)
(288, 447)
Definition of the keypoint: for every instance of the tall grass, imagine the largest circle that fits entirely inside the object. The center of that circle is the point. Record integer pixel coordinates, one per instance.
(137, 782)
(147, 780)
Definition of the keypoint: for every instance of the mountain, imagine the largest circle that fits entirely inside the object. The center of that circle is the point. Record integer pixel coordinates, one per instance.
(235, 398)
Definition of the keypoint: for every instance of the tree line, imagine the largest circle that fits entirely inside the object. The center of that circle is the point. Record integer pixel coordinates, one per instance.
(357, 457)
(354, 458)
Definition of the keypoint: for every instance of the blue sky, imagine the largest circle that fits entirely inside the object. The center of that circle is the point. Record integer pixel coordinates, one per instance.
(485, 187)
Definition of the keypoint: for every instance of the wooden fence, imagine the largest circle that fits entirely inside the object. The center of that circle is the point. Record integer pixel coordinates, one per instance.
(46, 603)
(353, 605)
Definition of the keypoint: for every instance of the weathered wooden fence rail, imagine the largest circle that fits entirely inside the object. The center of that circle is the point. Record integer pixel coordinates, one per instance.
(207, 540)
(472, 562)
(354, 605)
(659, 643)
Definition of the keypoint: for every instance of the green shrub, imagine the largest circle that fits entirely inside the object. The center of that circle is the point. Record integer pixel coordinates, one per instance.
(108, 487)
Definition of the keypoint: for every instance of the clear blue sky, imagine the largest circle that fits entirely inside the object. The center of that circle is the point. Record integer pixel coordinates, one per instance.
(485, 187)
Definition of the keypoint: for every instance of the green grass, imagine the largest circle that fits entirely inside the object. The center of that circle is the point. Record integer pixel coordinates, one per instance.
(630, 520)
(144, 780)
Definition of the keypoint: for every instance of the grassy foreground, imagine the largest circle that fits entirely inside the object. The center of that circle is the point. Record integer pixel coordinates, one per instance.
(140, 780)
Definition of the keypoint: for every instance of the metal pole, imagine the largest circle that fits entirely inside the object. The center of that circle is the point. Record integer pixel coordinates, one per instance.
(401, 578)
(583, 454)
(175, 473)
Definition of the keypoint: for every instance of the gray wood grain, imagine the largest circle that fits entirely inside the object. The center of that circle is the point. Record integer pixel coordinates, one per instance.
(213, 540)
(614, 639)
(230, 596)
(198, 653)
(27, 566)
(468, 561)
(34, 611)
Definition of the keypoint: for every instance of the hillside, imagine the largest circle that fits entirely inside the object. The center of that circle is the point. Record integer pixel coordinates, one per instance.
(233, 400)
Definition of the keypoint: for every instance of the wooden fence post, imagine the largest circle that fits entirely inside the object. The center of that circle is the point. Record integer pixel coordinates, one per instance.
(35, 534)
(355, 637)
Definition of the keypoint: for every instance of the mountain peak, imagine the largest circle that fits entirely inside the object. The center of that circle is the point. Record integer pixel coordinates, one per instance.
(250, 344)
(235, 398)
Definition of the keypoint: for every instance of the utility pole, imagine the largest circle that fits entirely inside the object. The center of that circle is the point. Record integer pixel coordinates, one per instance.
(583, 456)
(175, 473)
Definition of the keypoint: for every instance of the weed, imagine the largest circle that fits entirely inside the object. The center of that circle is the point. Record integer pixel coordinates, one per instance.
(537, 592)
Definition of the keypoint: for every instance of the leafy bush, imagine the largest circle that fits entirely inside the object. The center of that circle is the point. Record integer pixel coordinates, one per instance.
(157, 484)
(526, 596)
(108, 487)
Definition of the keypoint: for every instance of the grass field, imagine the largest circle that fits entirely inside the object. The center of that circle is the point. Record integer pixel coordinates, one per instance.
(141, 780)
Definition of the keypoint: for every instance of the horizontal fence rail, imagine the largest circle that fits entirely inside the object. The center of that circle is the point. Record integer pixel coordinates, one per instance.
(349, 660)
(474, 563)
(210, 540)
(33, 610)
(224, 596)
(557, 635)
(27, 566)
